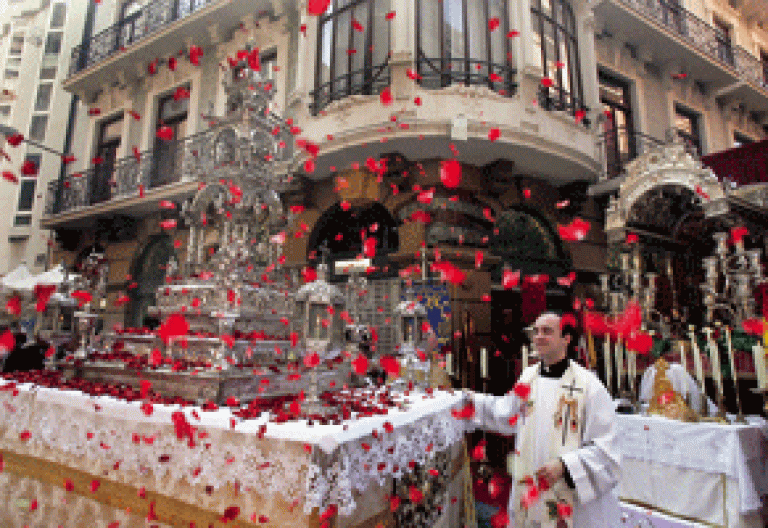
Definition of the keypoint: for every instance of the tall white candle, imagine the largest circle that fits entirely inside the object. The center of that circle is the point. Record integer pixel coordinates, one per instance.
(714, 358)
(619, 363)
(632, 369)
(731, 359)
(449, 363)
(607, 362)
(484, 363)
(683, 359)
(525, 356)
(697, 365)
(762, 376)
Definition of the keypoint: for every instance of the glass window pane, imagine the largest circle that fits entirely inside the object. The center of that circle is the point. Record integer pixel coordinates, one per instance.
(43, 101)
(58, 15)
(381, 28)
(37, 127)
(11, 74)
(22, 220)
(477, 33)
(26, 195)
(341, 56)
(53, 43)
(112, 130)
(498, 37)
(17, 44)
(48, 73)
(453, 31)
(360, 14)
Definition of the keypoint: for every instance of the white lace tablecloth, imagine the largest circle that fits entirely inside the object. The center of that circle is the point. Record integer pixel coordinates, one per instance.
(738, 451)
(345, 458)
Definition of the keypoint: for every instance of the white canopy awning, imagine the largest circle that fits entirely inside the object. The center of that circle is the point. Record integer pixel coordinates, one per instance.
(19, 279)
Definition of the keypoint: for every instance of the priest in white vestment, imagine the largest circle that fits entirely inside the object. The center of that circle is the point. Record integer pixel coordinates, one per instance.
(565, 462)
(682, 382)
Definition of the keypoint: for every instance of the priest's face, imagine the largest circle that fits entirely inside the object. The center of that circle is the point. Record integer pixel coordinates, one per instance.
(551, 345)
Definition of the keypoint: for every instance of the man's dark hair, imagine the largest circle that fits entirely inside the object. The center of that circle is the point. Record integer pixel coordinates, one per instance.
(568, 329)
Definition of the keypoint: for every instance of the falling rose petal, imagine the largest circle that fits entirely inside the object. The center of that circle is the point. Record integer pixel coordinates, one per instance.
(493, 24)
(493, 134)
(478, 259)
(426, 197)
(512, 34)
(567, 280)
(309, 166)
(311, 360)
(357, 26)
(317, 7)
(386, 96)
(478, 452)
(14, 140)
(309, 274)
(369, 247)
(450, 173)
(415, 495)
(500, 519)
(394, 503)
(579, 115)
(10, 177)
(753, 327)
(575, 231)
(738, 234)
(29, 168)
(564, 510)
(165, 133)
(360, 364)
(632, 238)
(546, 82)
(390, 365)
(95, 485)
(510, 279)
(522, 391)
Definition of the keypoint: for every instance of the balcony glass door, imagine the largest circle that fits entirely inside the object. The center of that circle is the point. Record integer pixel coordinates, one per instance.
(168, 155)
(110, 133)
(618, 128)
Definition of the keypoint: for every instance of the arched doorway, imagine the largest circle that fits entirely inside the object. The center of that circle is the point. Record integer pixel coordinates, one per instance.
(338, 238)
(148, 273)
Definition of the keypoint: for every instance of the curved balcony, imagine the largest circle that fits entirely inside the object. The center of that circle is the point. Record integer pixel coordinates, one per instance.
(671, 33)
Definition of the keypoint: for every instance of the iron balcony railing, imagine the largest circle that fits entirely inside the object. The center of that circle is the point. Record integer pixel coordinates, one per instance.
(701, 35)
(365, 81)
(148, 20)
(441, 72)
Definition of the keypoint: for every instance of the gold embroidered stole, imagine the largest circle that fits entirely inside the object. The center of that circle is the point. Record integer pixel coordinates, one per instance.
(536, 505)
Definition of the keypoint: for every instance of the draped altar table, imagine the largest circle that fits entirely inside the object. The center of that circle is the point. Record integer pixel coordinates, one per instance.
(705, 472)
(76, 460)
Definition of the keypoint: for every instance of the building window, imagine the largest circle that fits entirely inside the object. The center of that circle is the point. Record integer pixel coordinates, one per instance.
(687, 126)
(723, 37)
(464, 41)
(110, 136)
(58, 15)
(619, 129)
(554, 27)
(739, 140)
(168, 156)
(43, 100)
(26, 195)
(22, 220)
(17, 44)
(37, 126)
(350, 61)
(5, 113)
(53, 43)
(48, 73)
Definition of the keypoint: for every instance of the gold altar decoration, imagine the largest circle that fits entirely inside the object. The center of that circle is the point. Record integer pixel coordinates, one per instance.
(666, 401)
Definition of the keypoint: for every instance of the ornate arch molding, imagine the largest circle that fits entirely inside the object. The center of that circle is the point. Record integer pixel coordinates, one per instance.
(668, 165)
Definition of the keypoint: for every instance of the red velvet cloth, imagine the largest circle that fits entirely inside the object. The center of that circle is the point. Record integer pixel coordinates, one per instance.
(743, 165)
(534, 300)
(761, 300)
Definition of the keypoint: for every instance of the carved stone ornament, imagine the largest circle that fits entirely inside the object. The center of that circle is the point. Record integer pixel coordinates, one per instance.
(665, 165)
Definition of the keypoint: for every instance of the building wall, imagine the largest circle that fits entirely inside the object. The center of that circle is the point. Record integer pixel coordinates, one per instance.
(28, 244)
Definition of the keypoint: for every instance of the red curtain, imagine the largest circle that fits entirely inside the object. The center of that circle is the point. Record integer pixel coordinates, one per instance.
(534, 296)
(743, 165)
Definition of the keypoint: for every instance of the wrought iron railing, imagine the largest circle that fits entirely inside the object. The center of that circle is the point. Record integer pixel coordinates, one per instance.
(445, 71)
(150, 19)
(365, 81)
(703, 36)
(172, 162)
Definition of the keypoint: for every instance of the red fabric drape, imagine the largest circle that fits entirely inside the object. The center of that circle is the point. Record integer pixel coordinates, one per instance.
(534, 296)
(761, 300)
(743, 165)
